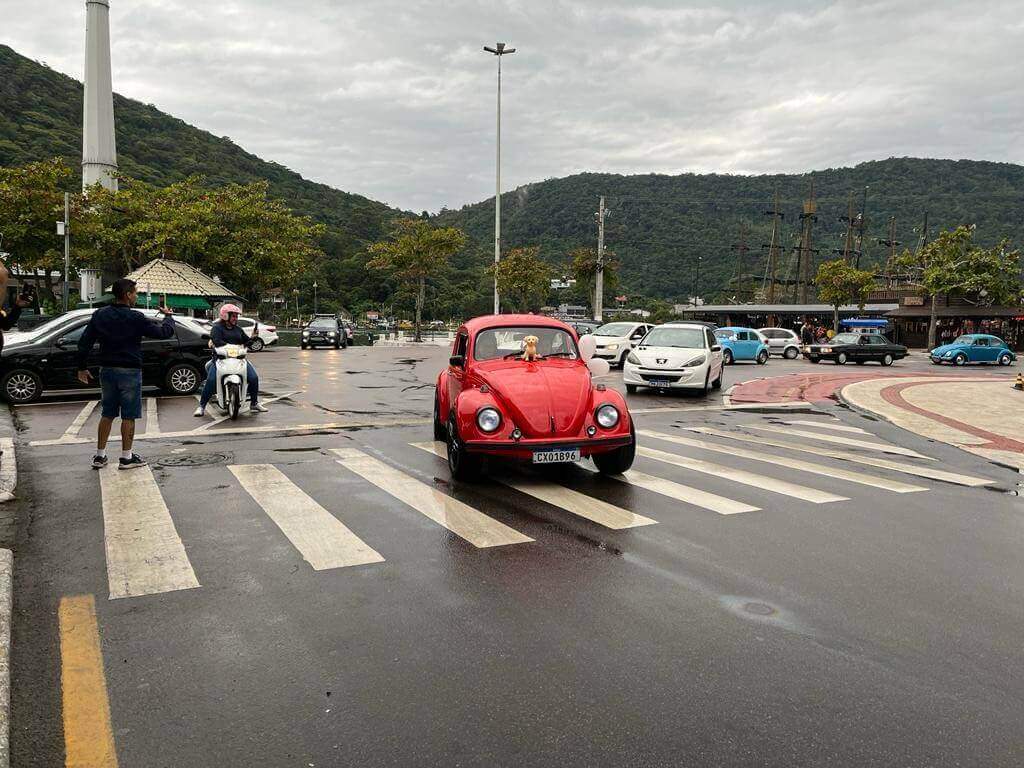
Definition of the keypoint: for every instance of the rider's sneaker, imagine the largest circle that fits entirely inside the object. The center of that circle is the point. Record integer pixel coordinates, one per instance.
(99, 462)
(134, 462)
(200, 411)
(257, 408)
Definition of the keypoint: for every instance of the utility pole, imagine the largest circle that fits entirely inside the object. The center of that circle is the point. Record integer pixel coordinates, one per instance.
(772, 249)
(64, 228)
(803, 263)
(741, 259)
(599, 269)
(696, 280)
(851, 222)
(499, 50)
(862, 223)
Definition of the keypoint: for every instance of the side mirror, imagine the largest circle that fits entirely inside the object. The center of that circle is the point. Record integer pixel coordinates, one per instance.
(457, 361)
(60, 344)
(716, 348)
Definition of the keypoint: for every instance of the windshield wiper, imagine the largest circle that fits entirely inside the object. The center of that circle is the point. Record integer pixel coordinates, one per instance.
(560, 354)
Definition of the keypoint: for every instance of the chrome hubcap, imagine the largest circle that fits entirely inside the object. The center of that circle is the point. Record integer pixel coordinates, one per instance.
(21, 387)
(183, 379)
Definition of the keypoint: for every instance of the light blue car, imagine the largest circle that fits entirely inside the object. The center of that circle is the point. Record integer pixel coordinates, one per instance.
(974, 348)
(742, 344)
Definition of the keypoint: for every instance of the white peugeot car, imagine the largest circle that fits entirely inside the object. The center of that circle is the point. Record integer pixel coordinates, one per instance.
(675, 356)
(614, 340)
(782, 341)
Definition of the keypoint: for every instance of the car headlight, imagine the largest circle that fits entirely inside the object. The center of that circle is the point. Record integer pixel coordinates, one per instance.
(948, 354)
(699, 360)
(488, 419)
(612, 346)
(305, 333)
(631, 358)
(607, 416)
(330, 333)
(826, 349)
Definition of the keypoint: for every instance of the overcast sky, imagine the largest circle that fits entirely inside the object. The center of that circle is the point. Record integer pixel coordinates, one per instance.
(395, 100)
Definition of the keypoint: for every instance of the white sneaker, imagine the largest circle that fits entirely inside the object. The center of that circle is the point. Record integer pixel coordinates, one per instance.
(200, 411)
(257, 408)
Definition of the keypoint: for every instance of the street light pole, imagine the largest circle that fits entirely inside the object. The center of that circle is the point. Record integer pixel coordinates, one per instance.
(499, 50)
(314, 297)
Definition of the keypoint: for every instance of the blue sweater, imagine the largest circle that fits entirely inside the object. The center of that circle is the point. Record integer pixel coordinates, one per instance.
(120, 329)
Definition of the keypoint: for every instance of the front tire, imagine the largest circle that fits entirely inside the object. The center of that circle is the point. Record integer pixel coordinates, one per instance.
(182, 379)
(960, 359)
(22, 386)
(727, 357)
(814, 360)
(234, 398)
(619, 460)
(790, 353)
(257, 345)
(1005, 359)
(463, 466)
(886, 360)
(841, 358)
(440, 431)
(762, 357)
(631, 389)
(717, 383)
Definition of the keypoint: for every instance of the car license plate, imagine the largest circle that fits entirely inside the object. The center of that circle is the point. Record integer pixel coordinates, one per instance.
(556, 457)
(659, 383)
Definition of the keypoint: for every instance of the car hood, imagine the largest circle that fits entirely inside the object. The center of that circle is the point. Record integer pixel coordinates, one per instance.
(604, 341)
(941, 350)
(673, 357)
(534, 393)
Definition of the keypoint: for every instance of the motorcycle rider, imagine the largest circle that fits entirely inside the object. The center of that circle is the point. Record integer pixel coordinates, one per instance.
(227, 332)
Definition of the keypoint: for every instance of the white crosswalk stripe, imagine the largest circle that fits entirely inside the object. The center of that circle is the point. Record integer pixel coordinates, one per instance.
(323, 540)
(847, 441)
(784, 461)
(762, 482)
(871, 461)
(459, 518)
(678, 491)
(145, 555)
(596, 510)
(78, 422)
(828, 425)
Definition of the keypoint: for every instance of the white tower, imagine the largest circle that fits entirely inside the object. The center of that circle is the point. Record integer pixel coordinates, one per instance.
(99, 151)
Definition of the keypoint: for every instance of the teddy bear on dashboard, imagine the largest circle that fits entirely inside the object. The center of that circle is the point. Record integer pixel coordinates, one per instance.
(530, 348)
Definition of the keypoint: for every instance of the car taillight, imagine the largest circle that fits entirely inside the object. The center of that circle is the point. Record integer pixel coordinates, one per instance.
(271, 328)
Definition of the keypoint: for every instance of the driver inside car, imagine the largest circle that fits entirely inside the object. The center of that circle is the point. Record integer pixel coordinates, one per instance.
(224, 332)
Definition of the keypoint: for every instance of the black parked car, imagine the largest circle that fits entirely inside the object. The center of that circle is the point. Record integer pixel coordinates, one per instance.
(856, 348)
(46, 358)
(324, 331)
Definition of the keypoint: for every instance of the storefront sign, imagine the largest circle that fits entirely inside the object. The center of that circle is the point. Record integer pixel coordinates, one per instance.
(913, 301)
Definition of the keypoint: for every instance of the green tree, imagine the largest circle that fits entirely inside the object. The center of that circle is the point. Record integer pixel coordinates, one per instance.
(31, 202)
(839, 283)
(416, 251)
(952, 263)
(524, 280)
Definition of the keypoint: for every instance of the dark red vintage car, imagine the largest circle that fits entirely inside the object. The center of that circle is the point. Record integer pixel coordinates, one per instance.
(491, 401)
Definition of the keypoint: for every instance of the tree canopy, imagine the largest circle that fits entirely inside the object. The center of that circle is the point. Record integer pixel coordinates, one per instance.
(524, 280)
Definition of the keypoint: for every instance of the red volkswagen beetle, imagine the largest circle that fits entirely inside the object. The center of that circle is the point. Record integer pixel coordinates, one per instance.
(518, 387)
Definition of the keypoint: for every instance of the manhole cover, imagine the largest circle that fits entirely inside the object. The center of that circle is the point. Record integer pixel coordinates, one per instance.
(193, 460)
(758, 608)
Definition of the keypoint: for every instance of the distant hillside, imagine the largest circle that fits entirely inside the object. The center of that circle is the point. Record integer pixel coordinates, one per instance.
(660, 224)
(41, 117)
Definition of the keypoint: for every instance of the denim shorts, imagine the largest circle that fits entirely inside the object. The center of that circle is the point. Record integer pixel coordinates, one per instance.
(122, 393)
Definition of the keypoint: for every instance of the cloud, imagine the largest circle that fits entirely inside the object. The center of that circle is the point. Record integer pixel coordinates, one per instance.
(395, 100)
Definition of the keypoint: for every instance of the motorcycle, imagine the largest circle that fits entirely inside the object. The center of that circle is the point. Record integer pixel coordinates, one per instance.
(230, 370)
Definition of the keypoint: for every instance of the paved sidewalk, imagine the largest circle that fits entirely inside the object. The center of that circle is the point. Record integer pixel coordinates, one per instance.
(980, 415)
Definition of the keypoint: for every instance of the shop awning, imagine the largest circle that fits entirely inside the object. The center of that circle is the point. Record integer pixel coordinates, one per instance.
(173, 301)
(964, 311)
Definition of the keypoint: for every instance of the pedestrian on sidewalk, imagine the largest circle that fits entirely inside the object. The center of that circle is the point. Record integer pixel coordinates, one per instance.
(9, 317)
(119, 329)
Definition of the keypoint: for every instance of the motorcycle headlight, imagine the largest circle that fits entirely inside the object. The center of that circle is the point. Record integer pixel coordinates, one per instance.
(699, 360)
(607, 416)
(631, 358)
(330, 333)
(488, 419)
(612, 346)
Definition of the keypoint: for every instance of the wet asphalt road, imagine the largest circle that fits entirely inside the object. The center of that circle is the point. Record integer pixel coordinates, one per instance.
(877, 628)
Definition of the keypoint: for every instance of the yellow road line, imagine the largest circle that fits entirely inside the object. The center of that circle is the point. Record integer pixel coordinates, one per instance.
(88, 736)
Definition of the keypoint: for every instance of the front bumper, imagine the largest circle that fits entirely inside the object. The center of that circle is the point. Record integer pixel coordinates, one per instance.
(523, 449)
(680, 378)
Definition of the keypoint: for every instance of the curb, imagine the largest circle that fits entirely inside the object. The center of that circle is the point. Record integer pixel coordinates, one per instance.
(786, 406)
(8, 469)
(6, 603)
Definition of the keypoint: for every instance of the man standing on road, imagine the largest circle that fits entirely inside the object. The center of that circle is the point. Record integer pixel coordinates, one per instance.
(119, 329)
(9, 318)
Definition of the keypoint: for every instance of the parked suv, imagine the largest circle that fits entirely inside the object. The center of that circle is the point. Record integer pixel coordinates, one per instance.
(782, 341)
(46, 359)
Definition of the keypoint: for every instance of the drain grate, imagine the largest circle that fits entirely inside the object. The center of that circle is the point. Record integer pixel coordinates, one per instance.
(193, 460)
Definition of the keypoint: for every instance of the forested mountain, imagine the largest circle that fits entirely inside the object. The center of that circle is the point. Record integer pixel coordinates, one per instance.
(658, 225)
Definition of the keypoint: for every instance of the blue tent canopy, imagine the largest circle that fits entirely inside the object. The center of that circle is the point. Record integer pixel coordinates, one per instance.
(863, 322)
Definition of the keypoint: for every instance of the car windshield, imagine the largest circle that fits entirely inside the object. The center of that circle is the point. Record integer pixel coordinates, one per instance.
(323, 322)
(963, 340)
(725, 333)
(51, 325)
(614, 329)
(846, 338)
(686, 338)
(495, 343)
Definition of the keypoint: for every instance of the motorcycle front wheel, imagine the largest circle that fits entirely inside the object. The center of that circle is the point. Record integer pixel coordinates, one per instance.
(234, 397)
